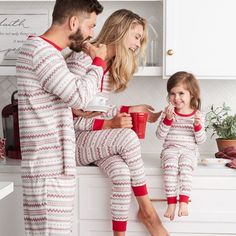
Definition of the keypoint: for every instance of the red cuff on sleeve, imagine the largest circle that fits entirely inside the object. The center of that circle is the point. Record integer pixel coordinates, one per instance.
(183, 198)
(167, 122)
(97, 61)
(140, 190)
(197, 127)
(124, 109)
(172, 200)
(97, 125)
(119, 226)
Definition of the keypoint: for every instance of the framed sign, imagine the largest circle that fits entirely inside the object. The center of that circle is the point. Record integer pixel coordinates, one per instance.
(15, 26)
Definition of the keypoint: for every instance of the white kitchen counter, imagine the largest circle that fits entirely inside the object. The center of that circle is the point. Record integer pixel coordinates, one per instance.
(5, 189)
(151, 162)
(211, 216)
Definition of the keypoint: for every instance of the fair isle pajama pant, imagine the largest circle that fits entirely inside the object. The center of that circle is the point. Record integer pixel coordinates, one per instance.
(178, 165)
(117, 152)
(48, 206)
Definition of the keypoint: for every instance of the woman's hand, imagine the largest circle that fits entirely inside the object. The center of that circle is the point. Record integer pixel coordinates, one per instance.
(152, 116)
(85, 114)
(169, 111)
(122, 120)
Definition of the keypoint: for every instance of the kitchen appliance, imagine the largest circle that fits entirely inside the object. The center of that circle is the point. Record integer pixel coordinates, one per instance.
(11, 128)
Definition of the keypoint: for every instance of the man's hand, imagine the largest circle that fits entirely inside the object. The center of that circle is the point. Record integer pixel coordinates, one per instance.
(152, 116)
(85, 114)
(122, 120)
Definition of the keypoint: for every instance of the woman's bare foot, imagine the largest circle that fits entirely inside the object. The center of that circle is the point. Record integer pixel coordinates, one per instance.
(183, 209)
(152, 222)
(116, 233)
(170, 211)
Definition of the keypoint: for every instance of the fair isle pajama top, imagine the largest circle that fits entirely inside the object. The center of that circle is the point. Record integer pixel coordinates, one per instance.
(46, 92)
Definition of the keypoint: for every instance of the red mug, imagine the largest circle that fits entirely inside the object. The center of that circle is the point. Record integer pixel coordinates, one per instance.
(139, 121)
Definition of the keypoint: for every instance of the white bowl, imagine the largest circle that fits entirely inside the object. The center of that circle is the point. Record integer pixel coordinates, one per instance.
(213, 161)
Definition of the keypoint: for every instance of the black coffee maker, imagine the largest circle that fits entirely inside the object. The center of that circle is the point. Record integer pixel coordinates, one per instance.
(11, 128)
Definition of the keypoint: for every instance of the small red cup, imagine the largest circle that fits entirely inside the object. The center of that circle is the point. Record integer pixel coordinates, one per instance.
(139, 121)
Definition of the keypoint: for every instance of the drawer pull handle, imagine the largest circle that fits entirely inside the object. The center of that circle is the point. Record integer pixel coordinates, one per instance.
(158, 199)
(162, 200)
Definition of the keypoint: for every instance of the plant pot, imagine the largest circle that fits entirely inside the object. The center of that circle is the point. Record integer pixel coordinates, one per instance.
(224, 143)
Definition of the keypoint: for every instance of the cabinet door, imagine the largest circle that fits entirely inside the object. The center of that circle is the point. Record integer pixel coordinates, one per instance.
(11, 208)
(200, 38)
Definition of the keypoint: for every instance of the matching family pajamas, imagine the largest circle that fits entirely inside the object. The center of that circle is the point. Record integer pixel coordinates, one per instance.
(116, 151)
(46, 91)
(179, 154)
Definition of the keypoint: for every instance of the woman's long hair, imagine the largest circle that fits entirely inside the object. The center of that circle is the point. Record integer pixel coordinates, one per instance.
(114, 32)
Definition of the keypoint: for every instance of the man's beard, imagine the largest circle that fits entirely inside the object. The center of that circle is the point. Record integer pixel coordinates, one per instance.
(77, 41)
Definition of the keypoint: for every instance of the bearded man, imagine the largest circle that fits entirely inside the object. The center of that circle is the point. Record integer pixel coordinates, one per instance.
(47, 91)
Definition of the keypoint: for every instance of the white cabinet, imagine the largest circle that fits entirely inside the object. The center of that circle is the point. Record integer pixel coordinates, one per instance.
(152, 10)
(11, 207)
(210, 212)
(200, 37)
(212, 209)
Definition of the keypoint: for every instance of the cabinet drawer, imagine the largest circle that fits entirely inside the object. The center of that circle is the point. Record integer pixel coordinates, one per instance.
(134, 228)
(103, 228)
(210, 210)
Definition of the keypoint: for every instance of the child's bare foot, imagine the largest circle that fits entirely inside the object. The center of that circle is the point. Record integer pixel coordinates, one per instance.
(152, 222)
(170, 211)
(183, 209)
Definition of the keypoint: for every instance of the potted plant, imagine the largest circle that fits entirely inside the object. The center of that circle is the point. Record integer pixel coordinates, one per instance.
(223, 125)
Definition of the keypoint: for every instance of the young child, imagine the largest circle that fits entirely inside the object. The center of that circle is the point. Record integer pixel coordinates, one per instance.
(182, 129)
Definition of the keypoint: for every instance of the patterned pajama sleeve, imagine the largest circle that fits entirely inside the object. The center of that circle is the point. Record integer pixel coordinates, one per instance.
(75, 90)
(199, 131)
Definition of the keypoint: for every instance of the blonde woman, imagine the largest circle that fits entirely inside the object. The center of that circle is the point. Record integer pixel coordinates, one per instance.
(108, 140)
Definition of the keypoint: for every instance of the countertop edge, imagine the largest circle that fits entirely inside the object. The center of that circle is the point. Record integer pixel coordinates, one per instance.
(151, 163)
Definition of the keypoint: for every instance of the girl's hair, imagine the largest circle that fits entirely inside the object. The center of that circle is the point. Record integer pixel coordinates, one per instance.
(114, 32)
(190, 83)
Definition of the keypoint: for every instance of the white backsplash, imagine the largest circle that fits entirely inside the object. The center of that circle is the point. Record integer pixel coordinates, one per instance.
(152, 91)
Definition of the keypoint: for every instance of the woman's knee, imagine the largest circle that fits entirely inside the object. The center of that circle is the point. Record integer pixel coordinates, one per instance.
(130, 138)
(121, 175)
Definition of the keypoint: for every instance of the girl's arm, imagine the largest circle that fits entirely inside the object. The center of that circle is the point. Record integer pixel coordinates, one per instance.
(163, 127)
(199, 128)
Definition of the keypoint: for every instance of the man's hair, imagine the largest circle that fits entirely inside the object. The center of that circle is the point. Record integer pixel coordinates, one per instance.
(66, 8)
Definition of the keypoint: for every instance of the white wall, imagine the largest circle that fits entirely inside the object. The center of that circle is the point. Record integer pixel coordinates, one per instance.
(152, 90)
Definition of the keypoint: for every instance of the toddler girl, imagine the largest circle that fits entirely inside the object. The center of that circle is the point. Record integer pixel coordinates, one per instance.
(182, 129)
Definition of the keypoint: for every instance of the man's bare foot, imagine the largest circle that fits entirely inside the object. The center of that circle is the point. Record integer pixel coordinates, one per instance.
(183, 209)
(152, 223)
(170, 211)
